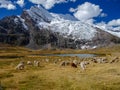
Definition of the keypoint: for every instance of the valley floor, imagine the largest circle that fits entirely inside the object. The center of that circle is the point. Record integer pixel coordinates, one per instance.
(51, 76)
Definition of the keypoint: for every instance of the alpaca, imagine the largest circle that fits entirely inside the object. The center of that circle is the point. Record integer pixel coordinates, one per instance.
(20, 66)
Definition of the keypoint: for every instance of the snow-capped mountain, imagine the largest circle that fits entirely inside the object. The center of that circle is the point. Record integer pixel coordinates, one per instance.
(59, 17)
(45, 29)
(64, 24)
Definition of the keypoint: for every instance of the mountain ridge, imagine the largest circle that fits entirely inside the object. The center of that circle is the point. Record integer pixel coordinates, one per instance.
(41, 29)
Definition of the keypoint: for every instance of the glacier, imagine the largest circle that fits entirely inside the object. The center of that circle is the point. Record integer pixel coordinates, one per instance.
(66, 25)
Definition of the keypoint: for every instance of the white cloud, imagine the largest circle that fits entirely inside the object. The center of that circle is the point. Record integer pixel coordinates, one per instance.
(10, 6)
(103, 14)
(111, 29)
(20, 3)
(114, 22)
(111, 25)
(48, 4)
(7, 4)
(114, 25)
(86, 11)
(102, 25)
(90, 21)
(72, 10)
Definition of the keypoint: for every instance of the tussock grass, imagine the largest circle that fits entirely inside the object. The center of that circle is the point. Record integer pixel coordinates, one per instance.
(50, 76)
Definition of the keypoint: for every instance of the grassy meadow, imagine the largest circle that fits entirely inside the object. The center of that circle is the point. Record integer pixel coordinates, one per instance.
(50, 76)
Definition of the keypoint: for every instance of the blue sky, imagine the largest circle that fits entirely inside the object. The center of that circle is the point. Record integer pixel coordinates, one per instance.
(110, 7)
(107, 10)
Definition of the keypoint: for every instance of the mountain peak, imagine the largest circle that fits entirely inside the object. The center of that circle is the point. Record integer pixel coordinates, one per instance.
(38, 13)
(63, 17)
(65, 24)
(58, 30)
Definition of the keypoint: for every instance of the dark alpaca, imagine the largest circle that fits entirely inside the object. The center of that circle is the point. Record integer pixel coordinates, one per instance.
(73, 65)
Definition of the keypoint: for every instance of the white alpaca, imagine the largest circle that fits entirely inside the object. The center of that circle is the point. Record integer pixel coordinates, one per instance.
(20, 66)
(29, 63)
(36, 63)
(83, 64)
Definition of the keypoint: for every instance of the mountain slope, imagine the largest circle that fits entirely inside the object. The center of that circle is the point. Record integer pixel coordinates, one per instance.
(42, 29)
(13, 31)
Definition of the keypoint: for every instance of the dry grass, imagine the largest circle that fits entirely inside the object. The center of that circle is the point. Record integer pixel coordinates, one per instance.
(50, 76)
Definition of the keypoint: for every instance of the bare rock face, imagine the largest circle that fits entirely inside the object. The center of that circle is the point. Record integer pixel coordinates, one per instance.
(25, 30)
(13, 32)
(105, 38)
(44, 38)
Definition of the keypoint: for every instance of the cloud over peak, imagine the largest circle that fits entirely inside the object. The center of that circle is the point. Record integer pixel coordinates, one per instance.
(20, 3)
(115, 22)
(87, 11)
(113, 25)
(7, 4)
(48, 4)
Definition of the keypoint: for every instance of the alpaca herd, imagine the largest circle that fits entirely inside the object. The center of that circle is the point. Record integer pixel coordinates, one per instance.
(62, 63)
(21, 65)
